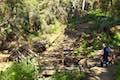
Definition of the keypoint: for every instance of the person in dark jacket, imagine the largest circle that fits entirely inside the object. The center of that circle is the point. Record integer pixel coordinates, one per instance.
(106, 54)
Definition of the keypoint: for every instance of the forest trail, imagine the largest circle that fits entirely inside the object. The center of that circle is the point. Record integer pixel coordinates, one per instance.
(56, 58)
(102, 73)
(61, 56)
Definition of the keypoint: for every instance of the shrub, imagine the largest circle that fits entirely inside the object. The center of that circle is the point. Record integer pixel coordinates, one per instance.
(116, 38)
(68, 75)
(23, 70)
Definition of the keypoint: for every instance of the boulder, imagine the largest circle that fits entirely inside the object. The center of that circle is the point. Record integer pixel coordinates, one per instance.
(38, 46)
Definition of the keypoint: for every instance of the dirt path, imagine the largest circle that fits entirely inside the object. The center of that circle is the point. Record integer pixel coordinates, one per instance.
(99, 73)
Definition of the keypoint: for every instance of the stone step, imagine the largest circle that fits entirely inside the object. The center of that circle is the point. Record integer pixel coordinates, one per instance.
(52, 53)
(64, 51)
(49, 71)
(49, 59)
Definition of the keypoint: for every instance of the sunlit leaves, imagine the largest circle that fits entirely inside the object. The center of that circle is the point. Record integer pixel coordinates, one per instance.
(31, 4)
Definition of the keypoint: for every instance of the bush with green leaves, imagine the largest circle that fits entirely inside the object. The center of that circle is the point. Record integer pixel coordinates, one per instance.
(116, 38)
(83, 48)
(86, 47)
(118, 72)
(23, 70)
(68, 75)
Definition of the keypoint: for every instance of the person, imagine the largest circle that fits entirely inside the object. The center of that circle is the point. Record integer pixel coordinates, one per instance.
(106, 55)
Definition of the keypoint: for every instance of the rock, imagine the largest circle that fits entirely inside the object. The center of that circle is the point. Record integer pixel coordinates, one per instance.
(94, 78)
(69, 60)
(38, 46)
(4, 45)
(115, 28)
(91, 63)
(98, 70)
(11, 37)
(47, 73)
(82, 61)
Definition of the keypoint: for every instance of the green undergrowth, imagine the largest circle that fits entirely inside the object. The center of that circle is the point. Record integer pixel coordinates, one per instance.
(90, 48)
(100, 21)
(118, 72)
(26, 70)
(23, 70)
(68, 75)
(116, 38)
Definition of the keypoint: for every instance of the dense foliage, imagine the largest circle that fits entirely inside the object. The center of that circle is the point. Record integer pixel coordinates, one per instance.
(23, 70)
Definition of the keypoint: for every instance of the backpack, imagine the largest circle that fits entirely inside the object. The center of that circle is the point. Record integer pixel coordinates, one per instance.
(107, 50)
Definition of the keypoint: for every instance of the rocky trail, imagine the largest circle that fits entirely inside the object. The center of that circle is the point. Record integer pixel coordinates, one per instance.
(61, 57)
(101, 73)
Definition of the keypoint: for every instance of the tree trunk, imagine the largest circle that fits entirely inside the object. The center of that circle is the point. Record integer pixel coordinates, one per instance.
(83, 5)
